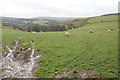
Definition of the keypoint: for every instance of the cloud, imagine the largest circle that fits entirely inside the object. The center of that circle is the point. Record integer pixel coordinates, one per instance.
(34, 8)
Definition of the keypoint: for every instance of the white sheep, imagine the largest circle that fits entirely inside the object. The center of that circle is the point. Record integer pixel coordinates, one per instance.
(109, 30)
(67, 34)
(34, 32)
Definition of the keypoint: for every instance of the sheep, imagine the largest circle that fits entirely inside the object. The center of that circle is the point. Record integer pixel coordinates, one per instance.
(67, 34)
(91, 31)
(109, 30)
(34, 32)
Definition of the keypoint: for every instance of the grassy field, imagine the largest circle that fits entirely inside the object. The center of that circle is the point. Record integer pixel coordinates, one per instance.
(41, 22)
(105, 18)
(81, 52)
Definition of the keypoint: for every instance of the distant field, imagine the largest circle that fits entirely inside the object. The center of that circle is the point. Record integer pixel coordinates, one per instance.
(104, 18)
(41, 22)
(26, 21)
(81, 52)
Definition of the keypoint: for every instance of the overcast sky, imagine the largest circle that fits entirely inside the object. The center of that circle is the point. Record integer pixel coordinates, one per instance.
(58, 8)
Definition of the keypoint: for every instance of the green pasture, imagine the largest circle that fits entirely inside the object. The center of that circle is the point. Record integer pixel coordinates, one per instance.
(41, 22)
(81, 51)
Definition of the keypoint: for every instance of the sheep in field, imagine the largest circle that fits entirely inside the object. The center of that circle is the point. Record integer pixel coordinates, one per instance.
(110, 30)
(67, 34)
(91, 31)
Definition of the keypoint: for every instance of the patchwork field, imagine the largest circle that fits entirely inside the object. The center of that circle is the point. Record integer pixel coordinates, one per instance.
(80, 55)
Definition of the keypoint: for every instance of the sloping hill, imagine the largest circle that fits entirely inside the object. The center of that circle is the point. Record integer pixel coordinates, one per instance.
(82, 55)
(74, 23)
(107, 18)
(81, 22)
(59, 19)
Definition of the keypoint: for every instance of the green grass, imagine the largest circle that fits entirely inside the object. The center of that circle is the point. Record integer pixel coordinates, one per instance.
(81, 51)
(2, 69)
(104, 18)
(41, 22)
(76, 23)
(27, 21)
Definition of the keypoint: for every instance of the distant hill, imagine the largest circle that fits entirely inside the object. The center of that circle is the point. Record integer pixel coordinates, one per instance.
(37, 23)
(82, 21)
(59, 19)
(29, 20)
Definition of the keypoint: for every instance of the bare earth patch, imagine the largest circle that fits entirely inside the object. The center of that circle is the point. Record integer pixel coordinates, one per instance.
(20, 37)
(79, 74)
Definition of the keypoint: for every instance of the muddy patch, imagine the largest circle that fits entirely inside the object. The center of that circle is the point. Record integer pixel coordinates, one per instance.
(78, 74)
(19, 62)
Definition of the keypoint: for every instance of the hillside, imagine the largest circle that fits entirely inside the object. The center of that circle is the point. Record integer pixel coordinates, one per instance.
(82, 55)
(59, 19)
(30, 24)
(82, 21)
(38, 24)
(74, 23)
(39, 21)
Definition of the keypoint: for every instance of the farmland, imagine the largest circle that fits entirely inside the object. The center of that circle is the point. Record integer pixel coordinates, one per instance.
(95, 54)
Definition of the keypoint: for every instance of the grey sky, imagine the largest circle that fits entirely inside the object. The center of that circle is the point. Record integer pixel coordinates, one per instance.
(59, 8)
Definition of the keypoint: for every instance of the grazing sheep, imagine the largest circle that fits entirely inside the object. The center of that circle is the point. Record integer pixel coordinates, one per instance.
(67, 34)
(34, 32)
(91, 31)
(109, 30)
